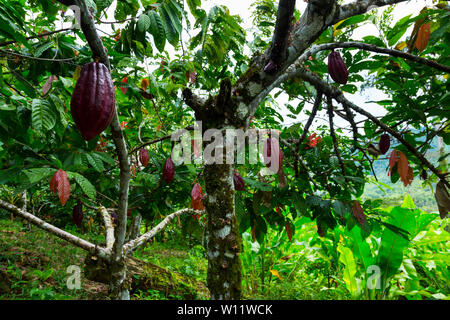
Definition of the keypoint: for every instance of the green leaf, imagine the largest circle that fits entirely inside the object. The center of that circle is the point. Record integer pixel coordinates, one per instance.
(143, 23)
(347, 259)
(95, 161)
(84, 183)
(340, 208)
(35, 175)
(390, 254)
(42, 115)
(157, 30)
(104, 157)
(42, 48)
(171, 25)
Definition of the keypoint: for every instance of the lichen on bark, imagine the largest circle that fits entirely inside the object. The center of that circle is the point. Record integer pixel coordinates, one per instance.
(224, 240)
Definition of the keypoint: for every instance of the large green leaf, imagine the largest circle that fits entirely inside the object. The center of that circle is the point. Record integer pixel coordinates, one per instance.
(347, 259)
(84, 183)
(171, 23)
(35, 175)
(43, 115)
(390, 254)
(157, 30)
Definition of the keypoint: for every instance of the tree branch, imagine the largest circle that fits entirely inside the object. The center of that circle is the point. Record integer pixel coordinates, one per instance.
(99, 52)
(316, 106)
(280, 40)
(360, 6)
(109, 228)
(3, 44)
(333, 136)
(76, 241)
(372, 48)
(339, 97)
(189, 128)
(133, 244)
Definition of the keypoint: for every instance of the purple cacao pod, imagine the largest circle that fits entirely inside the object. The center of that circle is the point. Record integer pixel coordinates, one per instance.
(239, 184)
(272, 147)
(93, 102)
(270, 67)
(144, 157)
(77, 214)
(168, 170)
(337, 68)
(385, 143)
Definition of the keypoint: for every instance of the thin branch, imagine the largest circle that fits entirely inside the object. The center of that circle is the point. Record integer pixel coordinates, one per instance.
(12, 53)
(302, 164)
(339, 97)
(372, 48)
(76, 241)
(133, 244)
(316, 106)
(3, 44)
(120, 21)
(333, 136)
(360, 6)
(189, 128)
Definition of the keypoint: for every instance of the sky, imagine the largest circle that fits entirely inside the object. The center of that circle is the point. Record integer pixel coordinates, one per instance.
(243, 9)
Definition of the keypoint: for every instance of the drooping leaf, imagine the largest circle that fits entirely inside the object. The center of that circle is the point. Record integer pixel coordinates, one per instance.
(43, 115)
(423, 36)
(61, 182)
(84, 183)
(442, 199)
(358, 213)
(157, 30)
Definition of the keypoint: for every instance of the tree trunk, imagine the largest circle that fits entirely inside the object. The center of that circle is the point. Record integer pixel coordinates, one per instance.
(222, 236)
(145, 276)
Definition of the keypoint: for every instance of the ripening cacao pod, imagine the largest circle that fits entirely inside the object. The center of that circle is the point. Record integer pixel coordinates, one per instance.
(270, 67)
(239, 184)
(271, 149)
(77, 214)
(144, 157)
(168, 170)
(337, 68)
(93, 102)
(384, 144)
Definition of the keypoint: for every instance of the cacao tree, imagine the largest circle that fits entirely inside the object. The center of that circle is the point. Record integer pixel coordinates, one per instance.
(91, 114)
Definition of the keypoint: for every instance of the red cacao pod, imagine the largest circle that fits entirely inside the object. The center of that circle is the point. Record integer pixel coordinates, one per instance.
(144, 157)
(77, 214)
(271, 149)
(93, 102)
(197, 193)
(168, 170)
(385, 143)
(337, 68)
(239, 184)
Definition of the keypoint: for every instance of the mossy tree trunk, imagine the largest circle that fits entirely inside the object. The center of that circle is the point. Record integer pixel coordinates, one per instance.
(223, 237)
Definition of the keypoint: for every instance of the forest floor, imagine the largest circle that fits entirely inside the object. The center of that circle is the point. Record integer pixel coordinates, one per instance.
(36, 265)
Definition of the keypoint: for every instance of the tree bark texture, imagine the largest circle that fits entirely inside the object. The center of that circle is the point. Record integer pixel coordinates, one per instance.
(223, 238)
